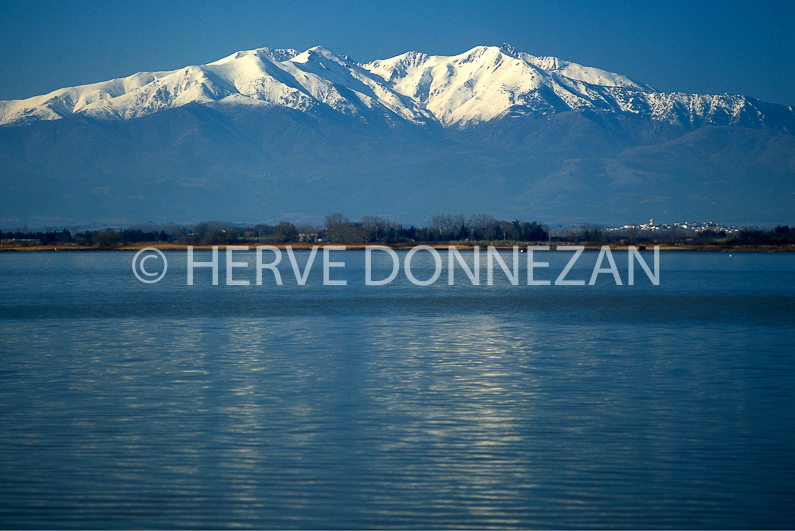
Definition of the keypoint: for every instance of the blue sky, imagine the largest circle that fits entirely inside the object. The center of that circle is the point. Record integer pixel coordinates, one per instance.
(697, 46)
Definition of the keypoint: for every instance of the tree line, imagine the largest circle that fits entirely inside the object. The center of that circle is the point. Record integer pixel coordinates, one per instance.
(336, 228)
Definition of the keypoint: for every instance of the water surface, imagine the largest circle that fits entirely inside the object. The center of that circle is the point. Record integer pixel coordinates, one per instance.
(130, 405)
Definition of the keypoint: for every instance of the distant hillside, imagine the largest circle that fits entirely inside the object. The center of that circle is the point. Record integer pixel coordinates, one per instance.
(268, 135)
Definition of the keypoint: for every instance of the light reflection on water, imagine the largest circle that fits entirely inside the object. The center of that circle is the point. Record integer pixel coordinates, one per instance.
(126, 405)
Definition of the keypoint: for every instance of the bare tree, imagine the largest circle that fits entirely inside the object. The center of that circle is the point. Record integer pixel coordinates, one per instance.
(375, 227)
(335, 225)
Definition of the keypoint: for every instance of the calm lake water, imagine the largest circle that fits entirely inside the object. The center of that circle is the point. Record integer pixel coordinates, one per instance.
(132, 405)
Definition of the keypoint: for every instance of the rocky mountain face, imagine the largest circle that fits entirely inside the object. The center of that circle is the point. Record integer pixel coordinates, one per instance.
(265, 135)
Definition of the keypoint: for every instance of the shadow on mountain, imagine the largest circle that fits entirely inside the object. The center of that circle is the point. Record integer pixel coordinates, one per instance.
(257, 163)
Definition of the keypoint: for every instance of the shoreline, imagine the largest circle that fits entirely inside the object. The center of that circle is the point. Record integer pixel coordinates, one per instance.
(303, 246)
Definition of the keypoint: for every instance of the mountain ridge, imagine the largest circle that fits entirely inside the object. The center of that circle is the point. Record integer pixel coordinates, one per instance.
(267, 135)
(460, 91)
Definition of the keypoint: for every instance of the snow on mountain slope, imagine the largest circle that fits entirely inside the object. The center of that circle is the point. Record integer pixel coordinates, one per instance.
(67, 101)
(486, 82)
(573, 71)
(472, 87)
(461, 91)
(285, 78)
(489, 82)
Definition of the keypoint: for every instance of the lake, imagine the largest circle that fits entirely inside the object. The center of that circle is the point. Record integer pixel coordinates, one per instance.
(126, 404)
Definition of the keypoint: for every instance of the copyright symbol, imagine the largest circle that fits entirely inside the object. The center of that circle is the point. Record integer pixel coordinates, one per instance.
(139, 265)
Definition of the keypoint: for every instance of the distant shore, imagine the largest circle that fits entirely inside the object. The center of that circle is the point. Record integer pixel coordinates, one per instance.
(778, 248)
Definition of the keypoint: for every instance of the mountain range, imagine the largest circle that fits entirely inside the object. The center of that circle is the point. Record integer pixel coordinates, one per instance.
(268, 135)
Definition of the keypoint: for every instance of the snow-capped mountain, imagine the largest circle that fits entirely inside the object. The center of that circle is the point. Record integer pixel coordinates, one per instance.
(269, 135)
(488, 82)
(285, 78)
(478, 86)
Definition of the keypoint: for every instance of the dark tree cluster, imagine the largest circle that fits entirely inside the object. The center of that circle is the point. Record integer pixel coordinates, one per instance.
(778, 235)
(441, 228)
(222, 233)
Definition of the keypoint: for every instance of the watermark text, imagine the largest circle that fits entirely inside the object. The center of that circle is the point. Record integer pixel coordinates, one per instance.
(422, 265)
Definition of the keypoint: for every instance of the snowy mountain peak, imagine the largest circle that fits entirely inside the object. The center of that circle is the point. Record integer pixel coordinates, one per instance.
(317, 53)
(488, 81)
(273, 77)
(277, 55)
(507, 49)
(479, 85)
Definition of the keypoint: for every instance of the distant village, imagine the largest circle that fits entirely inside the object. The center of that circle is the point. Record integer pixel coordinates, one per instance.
(689, 226)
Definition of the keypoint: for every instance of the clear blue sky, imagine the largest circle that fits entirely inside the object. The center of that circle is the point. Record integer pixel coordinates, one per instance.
(700, 46)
